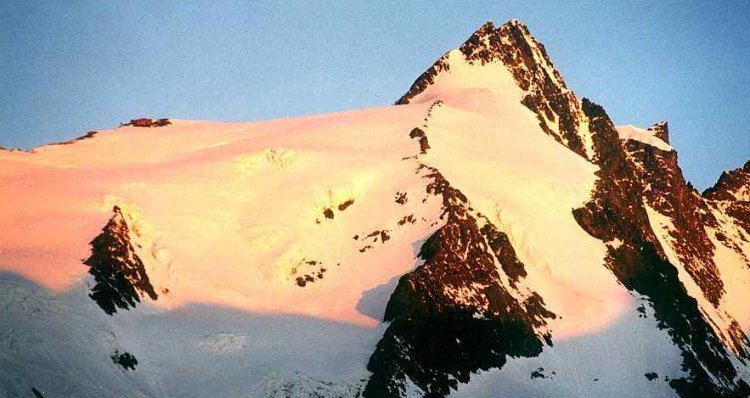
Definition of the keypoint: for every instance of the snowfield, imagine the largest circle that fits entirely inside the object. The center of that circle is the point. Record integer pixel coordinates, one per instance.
(274, 248)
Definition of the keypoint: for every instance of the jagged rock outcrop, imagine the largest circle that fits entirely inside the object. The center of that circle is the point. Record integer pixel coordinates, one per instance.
(147, 122)
(125, 360)
(424, 80)
(617, 213)
(731, 196)
(90, 134)
(637, 182)
(456, 313)
(119, 274)
(732, 185)
(665, 190)
(729, 203)
(557, 107)
(661, 131)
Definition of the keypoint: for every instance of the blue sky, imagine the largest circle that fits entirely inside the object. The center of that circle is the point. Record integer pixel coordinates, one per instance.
(73, 66)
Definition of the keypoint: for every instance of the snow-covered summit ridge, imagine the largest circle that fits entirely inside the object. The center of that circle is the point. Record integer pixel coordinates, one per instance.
(656, 135)
(509, 60)
(487, 45)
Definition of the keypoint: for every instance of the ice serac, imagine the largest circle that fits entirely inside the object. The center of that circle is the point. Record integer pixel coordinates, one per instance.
(459, 312)
(544, 91)
(119, 273)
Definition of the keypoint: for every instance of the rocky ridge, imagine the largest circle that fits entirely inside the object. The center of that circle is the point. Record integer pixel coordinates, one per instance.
(617, 212)
(119, 273)
(637, 181)
(546, 94)
(456, 313)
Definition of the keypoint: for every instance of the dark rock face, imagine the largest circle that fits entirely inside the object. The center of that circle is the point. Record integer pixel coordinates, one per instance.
(617, 211)
(86, 136)
(731, 184)
(125, 360)
(504, 252)
(661, 131)
(730, 196)
(146, 122)
(454, 315)
(425, 80)
(665, 190)
(345, 205)
(119, 273)
(740, 212)
(424, 144)
(309, 271)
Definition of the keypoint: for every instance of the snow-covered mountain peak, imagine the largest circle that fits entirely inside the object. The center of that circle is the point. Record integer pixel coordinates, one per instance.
(491, 236)
(510, 45)
(508, 62)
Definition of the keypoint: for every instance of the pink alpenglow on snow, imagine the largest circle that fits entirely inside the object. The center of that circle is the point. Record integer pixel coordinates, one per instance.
(490, 235)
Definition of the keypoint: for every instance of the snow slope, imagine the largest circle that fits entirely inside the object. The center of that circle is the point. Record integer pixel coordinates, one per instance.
(275, 246)
(226, 212)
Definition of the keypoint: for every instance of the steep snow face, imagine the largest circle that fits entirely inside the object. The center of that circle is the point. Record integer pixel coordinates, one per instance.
(59, 344)
(526, 184)
(233, 214)
(591, 365)
(502, 84)
(62, 345)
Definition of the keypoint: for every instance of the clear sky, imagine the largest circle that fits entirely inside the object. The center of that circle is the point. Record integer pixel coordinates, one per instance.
(73, 66)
